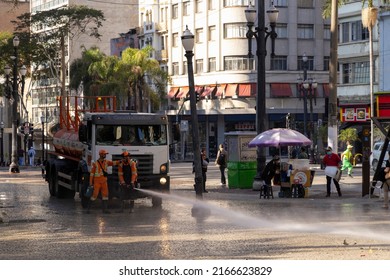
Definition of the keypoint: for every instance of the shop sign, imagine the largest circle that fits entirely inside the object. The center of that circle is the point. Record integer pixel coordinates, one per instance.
(354, 114)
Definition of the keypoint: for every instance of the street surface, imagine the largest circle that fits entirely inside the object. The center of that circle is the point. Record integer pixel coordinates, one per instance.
(240, 225)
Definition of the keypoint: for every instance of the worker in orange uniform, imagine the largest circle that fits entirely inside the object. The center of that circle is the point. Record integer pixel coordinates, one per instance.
(98, 179)
(127, 173)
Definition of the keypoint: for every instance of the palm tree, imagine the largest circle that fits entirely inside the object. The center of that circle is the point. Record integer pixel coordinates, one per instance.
(348, 135)
(134, 67)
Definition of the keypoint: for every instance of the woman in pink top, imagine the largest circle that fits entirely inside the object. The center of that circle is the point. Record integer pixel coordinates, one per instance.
(332, 163)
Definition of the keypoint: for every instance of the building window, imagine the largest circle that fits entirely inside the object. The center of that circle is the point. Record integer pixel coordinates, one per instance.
(279, 63)
(175, 68)
(236, 63)
(305, 3)
(235, 3)
(175, 40)
(305, 31)
(358, 32)
(212, 33)
(280, 3)
(175, 11)
(212, 4)
(281, 30)
(309, 63)
(186, 8)
(326, 32)
(212, 64)
(199, 35)
(326, 63)
(198, 6)
(235, 30)
(356, 73)
(345, 32)
(199, 66)
(185, 68)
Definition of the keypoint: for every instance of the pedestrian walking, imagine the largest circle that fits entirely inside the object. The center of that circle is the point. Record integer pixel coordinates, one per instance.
(205, 162)
(127, 173)
(31, 156)
(221, 162)
(98, 179)
(386, 184)
(332, 163)
(346, 158)
(21, 157)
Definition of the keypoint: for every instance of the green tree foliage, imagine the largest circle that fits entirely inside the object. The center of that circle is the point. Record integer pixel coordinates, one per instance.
(348, 135)
(46, 45)
(125, 78)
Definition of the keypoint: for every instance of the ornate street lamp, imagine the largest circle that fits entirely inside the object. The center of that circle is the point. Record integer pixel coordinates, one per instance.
(310, 87)
(261, 35)
(14, 99)
(188, 43)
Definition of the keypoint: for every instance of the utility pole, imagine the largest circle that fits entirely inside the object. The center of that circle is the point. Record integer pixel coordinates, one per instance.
(332, 108)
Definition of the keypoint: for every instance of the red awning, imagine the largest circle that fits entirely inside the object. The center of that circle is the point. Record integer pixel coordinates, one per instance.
(326, 90)
(231, 90)
(172, 92)
(199, 89)
(207, 91)
(280, 90)
(183, 92)
(244, 90)
(220, 90)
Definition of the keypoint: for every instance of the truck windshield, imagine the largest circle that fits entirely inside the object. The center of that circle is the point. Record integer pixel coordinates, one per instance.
(134, 135)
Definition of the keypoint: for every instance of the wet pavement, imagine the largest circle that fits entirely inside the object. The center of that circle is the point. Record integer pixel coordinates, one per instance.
(239, 225)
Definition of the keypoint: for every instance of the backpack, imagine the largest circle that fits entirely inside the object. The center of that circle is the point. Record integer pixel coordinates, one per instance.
(221, 159)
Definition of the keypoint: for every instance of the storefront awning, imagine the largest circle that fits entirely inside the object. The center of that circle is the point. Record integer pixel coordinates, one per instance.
(207, 91)
(199, 89)
(220, 90)
(172, 92)
(183, 92)
(244, 90)
(231, 90)
(281, 90)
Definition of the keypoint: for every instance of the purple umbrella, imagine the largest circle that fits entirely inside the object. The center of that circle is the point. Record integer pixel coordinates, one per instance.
(278, 137)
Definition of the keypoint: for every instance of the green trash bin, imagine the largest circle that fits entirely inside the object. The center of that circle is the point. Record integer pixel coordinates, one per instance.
(242, 161)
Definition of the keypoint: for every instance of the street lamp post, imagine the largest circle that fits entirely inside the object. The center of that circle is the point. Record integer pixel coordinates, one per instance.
(188, 44)
(43, 119)
(310, 86)
(261, 35)
(14, 99)
(1, 143)
(302, 82)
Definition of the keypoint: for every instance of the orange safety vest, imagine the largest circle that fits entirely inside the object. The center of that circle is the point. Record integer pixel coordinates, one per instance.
(133, 168)
(97, 170)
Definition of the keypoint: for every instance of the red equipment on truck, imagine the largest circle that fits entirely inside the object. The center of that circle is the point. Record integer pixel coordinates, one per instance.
(83, 132)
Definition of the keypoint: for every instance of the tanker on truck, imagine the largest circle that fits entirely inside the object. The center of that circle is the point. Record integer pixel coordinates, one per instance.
(83, 132)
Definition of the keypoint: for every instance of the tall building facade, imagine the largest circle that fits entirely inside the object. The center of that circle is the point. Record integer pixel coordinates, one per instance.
(120, 16)
(225, 78)
(354, 86)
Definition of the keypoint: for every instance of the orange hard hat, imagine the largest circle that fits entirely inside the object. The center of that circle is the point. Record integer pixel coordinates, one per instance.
(125, 154)
(103, 152)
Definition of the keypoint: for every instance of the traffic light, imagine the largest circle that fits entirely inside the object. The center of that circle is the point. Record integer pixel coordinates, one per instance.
(31, 128)
(197, 97)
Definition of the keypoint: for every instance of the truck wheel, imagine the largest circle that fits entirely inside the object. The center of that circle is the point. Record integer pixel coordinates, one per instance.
(52, 183)
(60, 191)
(156, 201)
